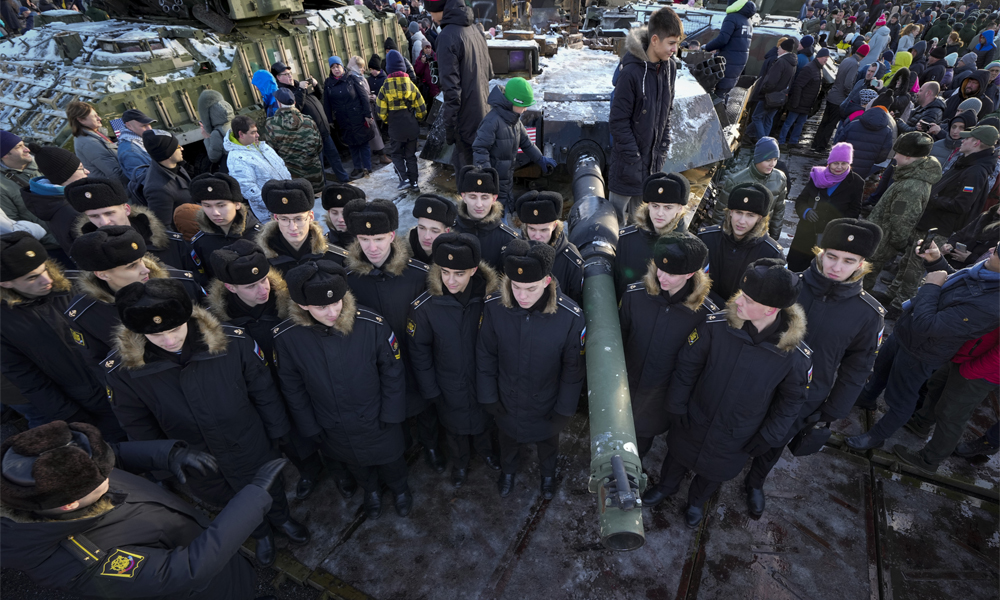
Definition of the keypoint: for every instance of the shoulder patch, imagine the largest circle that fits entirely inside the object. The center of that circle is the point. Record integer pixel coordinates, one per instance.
(569, 305)
(83, 549)
(335, 249)
(770, 241)
(111, 362)
(179, 274)
(197, 236)
(121, 564)
(416, 264)
(491, 297)
(716, 317)
(872, 302)
(79, 305)
(635, 286)
(368, 315)
(805, 350)
(628, 229)
(420, 300)
(72, 274)
(712, 308)
(510, 230)
(258, 227)
(282, 327)
(709, 229)
(175, 236)
(233, 331)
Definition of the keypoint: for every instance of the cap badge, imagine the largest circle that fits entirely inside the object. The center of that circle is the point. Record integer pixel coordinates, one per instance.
(665, 260)
(450, 257)
(340, 197)
(254, 270)
(30, 254)
(520, 271)
(659, 191)
(157, 320)
(329, 293)
(479, 182)
(88, 195)
(745, 200)
(850, 238)
(209, 188)
(284, 200)
(135, 246)
(368, 225)
(536, 212)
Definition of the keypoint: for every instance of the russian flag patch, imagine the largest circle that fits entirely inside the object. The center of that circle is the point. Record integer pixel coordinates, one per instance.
(967, 189)
(259, 353)
(394, 345)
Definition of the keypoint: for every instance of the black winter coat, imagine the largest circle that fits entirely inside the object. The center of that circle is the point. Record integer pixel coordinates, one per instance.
(728, 257)
(311, 105)
(932, 113)
(283, 257)
(640, 116)
(805, 89)
(732, 389)
(568, 266)
(57, 213)
(441, 339)
(978, 236)
(961, 93)
(346, 103)
(733, 42)
(166, 189)
(871, 136)
(635, 248)
(654, 329)
(259, 325)
(778, 77)
(844, 202)
(531, 362)
(375, 82)
(464, 69)
(212, 238)
(498, 139)
(344, 382)
(959, 196)
(934, 72)
(492, 232)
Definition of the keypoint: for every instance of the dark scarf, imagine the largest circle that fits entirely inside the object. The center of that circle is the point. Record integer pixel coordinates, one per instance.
(238, 308)
(759, 337)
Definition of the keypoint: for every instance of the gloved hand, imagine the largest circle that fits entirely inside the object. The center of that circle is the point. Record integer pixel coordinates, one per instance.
(681, 421)
(757, 445)
(268, 472)
(811, 215)
(179, 458)
(494, 408)
(450, 135)
(547, 164)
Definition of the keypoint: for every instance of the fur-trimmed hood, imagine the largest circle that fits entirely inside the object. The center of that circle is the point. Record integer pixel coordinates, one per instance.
(27, 517)
(218, 295)
(132, 346)
(702, 285)
(636, 43)
(643, 222)
(59, 284)
(237, 227)
(435, 285)
(91, 285)
(795, 324)
(494, 216)
(398, 259)
(507, 296)
(152, 230)
(759, 230)
(343, 325)
(317, 241)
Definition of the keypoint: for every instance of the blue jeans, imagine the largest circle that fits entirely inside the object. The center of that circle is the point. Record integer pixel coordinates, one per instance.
(362, 156)
(332, 158)
(794, 122)
(900, 374)
(763, 119)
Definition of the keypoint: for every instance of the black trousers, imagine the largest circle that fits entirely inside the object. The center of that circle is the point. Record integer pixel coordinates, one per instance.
(459, 447)
(404, 158)
(510, 454)
(644, 443)
(461, 154)
(761, 466)
(304, 454)
(216, 490)
(425, 425)
(831, 117)
(393, 474)
(700, 490)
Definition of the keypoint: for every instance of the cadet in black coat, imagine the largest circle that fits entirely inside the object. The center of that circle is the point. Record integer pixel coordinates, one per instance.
(293, 236)
(435, 215)
(738, 385)
(664, 204)
(224, 216)
(356, 418)
(335, 198)
(205, 385)
(529, 360)
(656, 316)
(480, 214)
(133, 540)
(38, 349)
(540, 215)
(441, 338)
(845, 330)
(740, 240)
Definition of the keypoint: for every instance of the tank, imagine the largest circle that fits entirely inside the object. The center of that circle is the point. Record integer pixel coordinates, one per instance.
(158, 57)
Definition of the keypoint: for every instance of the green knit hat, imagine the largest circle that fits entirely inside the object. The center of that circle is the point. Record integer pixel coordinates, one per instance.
(519, 92)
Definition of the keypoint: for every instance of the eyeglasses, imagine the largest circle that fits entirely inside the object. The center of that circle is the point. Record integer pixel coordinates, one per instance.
(298, 221)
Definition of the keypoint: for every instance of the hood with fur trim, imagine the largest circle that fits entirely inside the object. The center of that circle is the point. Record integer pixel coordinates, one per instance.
(343, 325)
(237, 227)
(317, 241)
(59, 284)
(132, 346)
(643, 222)
(152, 230)
(702, 285)
(26, 517)
(759, 230)
(435, 285)
(357, 262)
(795, 324)
(91, 285)
(507, 296)
(496, 212)
(217, 295)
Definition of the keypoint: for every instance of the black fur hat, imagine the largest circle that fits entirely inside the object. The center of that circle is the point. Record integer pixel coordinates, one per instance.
(457, 251)
(371, 218)
(527, 262)
(474, 179)
(288, 197)
(436, 208)
(852, 235)
(914, 143)
(240, 263)
(107, 247)
(53, 465)
(538, 208)
(767, 281)
(434, 5)
(679, 253)
(751, 197)
(666, 188)
(20, 254)
(215, 186)
(316, 283)
(91, 193)
(337, 195)
(153, 307)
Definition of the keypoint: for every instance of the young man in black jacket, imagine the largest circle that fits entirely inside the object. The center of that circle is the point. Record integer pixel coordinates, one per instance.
(335, 198)
(435, 215)
(480, 214)
(293, 236)
(224, 216)
(540, 214)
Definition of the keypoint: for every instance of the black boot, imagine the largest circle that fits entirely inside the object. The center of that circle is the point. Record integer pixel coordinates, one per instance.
(435, 459)
(693, 515)
(373, 505)
(657, 494)
(296, 532)
(304, 488)
(404, 502)
(505, 484)
(755, 500)
(347, 487)
(492, 462)
(548, 487)
(458, 476)
(266, 551)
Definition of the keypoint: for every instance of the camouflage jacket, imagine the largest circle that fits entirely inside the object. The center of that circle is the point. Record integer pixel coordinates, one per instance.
(899, 209)
(296, 140)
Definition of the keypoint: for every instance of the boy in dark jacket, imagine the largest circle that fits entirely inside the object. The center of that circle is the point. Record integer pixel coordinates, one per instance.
(733, 43)
(801, 98)
(401, 106)
(776, 78)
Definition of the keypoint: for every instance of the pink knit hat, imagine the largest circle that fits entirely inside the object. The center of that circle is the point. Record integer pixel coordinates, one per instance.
(881, 20)
(842, 152)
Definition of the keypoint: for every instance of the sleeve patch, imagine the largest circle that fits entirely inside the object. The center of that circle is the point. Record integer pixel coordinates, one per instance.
(692, 337)
(583, 341)
(968, 189)
(411, 327)
(394, 345)
(259, 353)
(78, 338)
(121, 564)
(195, 259)
(878, 343)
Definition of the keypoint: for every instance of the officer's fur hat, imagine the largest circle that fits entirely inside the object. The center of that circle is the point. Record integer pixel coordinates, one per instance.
(538, 208)
(767, 281)
(240, 263)
(751, 197)
(474, 179)
(107, 247)
(215, 186)
(457, 251)
(91, 193)
(153, 307)
(371, 218)
(288, 197)
(437, 208)
(53, 465)
(20, 254)
(337, 195)
(679, 253)
(666, 188)
(852, 235)
(914, 143)
(527, 262)
(316, 283)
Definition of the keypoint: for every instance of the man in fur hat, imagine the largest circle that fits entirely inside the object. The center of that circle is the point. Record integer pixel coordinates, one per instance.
(293, 235)
(540, 214)
(530, 322)
(357, 418)
(224, 216)
(480, 214)
(738, 385)
(335, 198)
(435, 215)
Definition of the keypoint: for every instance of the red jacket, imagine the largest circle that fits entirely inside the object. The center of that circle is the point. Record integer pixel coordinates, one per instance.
(980, 358)
(423, 71)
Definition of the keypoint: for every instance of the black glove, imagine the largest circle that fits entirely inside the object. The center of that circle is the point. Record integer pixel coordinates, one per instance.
(811, 215)
(183, 457)
(450, 135)
(494, 408)
(679, 421)
(757, 445)
(268, 472)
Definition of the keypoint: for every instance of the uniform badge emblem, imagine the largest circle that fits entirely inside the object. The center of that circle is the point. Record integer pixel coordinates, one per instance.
(583, 341)
(411, 327)
(394, 345)
(78, 338)
(693, 337)
(121, 564)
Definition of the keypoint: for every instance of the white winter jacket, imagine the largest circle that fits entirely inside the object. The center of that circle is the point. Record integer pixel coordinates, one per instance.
(253, 166)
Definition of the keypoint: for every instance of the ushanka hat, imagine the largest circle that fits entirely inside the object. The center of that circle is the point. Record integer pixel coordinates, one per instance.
(371, 218)
(337, 195)
(240, 263)
(767, 281)
(153, 307)
(751, 197)
(93, 193)
(474, 179)
(666, 188)
(316, 283)
(458, 251)
(215, 186)
(288, 197)
(852, 235)
(538, 208)
(527, 262)
(107, 247)
(679, 253)
(436, 208)
(20, 254)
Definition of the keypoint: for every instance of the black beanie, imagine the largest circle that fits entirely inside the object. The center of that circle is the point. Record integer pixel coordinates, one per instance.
(434, 5)
(459, 251)
(337, 195)
(852, 235)
(56, 164)
(53, 465)
(767, 281)
(474, 179)
(539, 208)
(788, 44)
(527, 262)
(375, 62)
(92, 193)
(288, 197)
(436, 208)
(215, 186)
(371, 218)
(160, 147)
(153, 307)
(20, 254)
(666, 188)
(107, 247)
(316, 283)
(751, 197)
(679, 253)
(915, 144)
(240, 263)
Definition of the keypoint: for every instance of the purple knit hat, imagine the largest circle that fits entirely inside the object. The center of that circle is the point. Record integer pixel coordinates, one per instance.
(842, 152)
